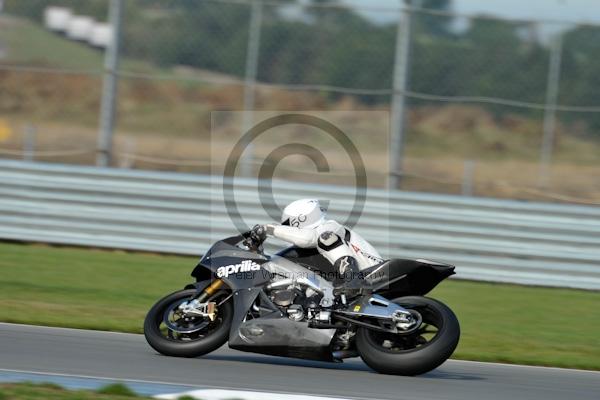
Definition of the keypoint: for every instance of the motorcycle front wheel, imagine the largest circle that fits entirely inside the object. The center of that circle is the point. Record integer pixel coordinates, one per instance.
(175, 335)
(415, 353)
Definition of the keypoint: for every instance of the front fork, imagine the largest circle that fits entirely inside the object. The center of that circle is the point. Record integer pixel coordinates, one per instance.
(209, 290)
(197, 305)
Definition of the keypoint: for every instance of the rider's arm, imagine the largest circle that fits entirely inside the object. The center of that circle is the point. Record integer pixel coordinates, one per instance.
(305, 238)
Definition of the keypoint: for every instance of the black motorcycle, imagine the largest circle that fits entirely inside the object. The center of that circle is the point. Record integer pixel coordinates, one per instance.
(284, 305)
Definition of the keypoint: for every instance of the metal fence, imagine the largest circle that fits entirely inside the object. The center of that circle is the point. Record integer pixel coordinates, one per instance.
(490, 240)
(485, 92)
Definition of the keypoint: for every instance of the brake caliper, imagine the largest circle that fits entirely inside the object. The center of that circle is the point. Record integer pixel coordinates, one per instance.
(196, 309)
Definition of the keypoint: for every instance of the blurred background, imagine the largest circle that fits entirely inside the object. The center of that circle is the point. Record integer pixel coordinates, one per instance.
(486, 114)
(494, 105)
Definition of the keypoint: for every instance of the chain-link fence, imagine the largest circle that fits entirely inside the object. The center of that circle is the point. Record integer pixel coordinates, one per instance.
(490, 106)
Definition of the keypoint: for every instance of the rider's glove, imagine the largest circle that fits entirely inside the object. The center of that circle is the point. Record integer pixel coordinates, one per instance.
(258, 233)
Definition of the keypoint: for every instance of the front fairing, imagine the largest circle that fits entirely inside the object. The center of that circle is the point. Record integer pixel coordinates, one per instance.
(238, 267)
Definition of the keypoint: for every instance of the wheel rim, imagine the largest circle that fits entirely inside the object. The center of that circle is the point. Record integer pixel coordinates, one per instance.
(427, 333)
(176, 322)
(174, 326)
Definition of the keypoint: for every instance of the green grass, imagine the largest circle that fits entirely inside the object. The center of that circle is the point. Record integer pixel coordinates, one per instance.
(82, 288)
(107, 290)
(43, 391)
(525, 325)
(117, 389)
(29, 43)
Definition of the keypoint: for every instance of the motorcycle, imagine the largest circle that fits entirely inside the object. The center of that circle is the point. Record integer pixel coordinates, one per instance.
(284, 305)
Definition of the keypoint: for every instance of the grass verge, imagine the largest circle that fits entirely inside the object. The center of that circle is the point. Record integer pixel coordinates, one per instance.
(43, 391)
(112, 290)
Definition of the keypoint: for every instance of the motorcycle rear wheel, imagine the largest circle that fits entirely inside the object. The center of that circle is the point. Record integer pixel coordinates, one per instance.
(210, 334)
(417, 353)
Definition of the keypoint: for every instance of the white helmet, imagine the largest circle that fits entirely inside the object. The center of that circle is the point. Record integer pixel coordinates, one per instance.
(303, 213)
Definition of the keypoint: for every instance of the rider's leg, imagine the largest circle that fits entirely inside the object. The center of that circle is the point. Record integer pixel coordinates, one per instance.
(348, 280)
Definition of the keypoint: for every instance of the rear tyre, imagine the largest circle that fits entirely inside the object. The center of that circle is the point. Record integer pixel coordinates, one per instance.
(417, 353)
(205, 336)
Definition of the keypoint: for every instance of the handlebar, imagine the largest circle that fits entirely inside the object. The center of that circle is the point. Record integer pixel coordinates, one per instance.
(252, 242)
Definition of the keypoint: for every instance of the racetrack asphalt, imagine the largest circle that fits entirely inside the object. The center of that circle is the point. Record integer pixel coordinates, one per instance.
(120, 356)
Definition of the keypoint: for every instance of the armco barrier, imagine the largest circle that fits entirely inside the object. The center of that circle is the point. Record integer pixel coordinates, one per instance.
(488, 239)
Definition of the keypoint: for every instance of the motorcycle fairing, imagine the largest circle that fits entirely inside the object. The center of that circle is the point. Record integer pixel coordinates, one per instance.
(309, 258)
(273, 333)
(240, 280)
(284, 337)
(226, 253)
(278, 334)
(397, 277)
(402, 277)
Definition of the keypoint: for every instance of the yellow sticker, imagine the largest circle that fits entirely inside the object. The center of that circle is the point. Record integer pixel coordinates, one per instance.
(5, 131)
(356, 308)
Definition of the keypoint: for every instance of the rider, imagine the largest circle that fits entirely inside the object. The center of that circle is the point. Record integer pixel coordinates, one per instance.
(304, 224)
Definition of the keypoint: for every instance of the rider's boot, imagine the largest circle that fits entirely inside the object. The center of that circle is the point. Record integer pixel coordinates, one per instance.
(349, 281)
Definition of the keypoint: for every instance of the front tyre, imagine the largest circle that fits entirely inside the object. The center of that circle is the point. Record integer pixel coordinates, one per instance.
(176, 336)
(416, 353)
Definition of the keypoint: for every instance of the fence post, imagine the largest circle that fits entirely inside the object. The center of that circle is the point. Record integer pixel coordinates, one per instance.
(468, 182)
(252, 51)
(401, 61)
(29, 135)
(549, 128)
(109, 89)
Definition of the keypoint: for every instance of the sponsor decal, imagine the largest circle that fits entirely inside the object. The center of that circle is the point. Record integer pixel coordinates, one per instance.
(371, 257)
(244, 266)
(343, 265)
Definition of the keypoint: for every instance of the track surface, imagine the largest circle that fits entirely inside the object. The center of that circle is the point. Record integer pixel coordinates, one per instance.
(127, 356)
